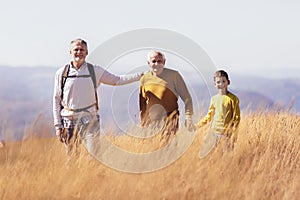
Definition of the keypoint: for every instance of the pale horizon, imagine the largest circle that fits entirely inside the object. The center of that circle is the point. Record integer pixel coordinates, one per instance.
(253, 37)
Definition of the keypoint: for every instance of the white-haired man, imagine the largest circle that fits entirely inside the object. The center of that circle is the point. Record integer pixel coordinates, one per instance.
(159, 92)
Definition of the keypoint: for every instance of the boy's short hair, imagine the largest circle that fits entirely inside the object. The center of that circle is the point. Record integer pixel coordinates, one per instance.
(220, 73)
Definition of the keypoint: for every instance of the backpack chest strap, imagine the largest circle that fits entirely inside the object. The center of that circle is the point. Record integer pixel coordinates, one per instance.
(92, 75)
(78, 76)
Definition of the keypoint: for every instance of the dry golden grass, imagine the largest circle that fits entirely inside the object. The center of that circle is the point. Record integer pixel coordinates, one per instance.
(264, 165)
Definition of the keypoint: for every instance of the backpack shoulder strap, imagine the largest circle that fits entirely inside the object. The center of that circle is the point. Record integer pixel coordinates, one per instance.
(63, 79)
(93, 77)
(92, 73)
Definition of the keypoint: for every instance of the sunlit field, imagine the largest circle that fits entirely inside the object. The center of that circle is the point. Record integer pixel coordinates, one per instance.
(265, 164)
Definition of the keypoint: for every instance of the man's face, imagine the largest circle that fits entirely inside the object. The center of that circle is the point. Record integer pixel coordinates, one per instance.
(156, 63)
(78, 52)
(221, 83)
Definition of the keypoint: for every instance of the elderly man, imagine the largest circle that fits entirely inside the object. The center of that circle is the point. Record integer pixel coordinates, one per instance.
(75, 99)
(159, 92)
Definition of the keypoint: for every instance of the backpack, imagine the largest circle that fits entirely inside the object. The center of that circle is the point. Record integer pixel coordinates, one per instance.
(65, 75)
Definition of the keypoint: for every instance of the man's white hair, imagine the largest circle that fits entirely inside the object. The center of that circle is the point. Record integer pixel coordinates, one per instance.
(153, 52)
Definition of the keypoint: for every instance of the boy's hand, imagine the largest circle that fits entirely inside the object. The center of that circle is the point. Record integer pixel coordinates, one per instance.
(199, 125)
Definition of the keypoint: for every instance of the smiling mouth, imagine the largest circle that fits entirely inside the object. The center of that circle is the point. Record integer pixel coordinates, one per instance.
(78, 56)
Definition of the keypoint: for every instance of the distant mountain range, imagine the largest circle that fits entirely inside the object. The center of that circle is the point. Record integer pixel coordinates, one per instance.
(26, 92)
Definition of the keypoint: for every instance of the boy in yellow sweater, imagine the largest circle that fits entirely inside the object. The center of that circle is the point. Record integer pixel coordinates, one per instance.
(224, 112)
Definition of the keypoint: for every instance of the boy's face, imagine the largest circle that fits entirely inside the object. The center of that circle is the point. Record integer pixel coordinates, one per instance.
(221, 83)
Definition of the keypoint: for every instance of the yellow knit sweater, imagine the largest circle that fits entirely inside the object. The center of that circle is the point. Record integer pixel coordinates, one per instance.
(159, 95)
(224, 112)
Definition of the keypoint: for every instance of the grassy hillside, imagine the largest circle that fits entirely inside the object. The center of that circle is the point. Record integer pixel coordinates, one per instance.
(265, 164)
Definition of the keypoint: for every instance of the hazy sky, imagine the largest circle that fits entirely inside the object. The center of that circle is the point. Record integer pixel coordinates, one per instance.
(260, 37)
